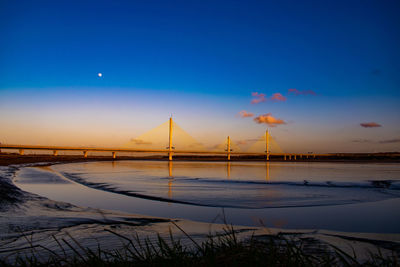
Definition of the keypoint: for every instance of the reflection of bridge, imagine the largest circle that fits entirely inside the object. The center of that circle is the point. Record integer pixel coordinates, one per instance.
(171, 177)
(170, 150)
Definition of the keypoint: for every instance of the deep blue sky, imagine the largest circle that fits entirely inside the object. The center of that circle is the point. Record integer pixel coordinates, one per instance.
(218, 52)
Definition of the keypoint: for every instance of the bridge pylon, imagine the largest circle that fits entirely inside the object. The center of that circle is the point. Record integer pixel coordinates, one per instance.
(170, 147)
(267, 144)
(228, 148)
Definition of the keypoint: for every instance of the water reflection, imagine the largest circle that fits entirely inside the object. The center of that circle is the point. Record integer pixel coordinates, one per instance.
(245, 190)
(170, 179)
(228, 169)
(238, 184)
(228, 175)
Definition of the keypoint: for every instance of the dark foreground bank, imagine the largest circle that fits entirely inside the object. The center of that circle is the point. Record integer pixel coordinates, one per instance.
(224, 249)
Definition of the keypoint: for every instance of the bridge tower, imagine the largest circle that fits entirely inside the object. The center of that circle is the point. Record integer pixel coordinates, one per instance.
(170, 140)
(267, 144)
(228, 148)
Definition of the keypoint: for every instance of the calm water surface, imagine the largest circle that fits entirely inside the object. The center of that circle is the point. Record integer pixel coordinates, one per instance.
(334, 196)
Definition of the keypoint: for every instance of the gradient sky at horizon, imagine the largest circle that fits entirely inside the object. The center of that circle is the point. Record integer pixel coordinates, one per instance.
(201, 61)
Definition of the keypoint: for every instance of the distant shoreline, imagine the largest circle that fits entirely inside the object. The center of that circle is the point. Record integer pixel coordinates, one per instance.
(13, 158)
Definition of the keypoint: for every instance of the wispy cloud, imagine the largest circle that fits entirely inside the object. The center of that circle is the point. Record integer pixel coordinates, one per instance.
(241, 142)
(269, 119)
(247, 141)
(370, 124)
(197, 144)
(298, 92)
(361, 141)
(278, 97)
(387, 141)
(258, 98)
(390, 141)
(245, 114)
(140, 142)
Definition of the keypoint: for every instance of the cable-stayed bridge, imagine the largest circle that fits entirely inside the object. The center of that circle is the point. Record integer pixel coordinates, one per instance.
(168, 138)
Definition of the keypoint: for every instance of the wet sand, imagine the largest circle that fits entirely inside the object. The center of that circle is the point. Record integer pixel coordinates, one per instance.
(26, 216)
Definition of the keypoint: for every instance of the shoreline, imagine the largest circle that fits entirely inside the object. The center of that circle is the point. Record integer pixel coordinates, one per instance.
(7, 159)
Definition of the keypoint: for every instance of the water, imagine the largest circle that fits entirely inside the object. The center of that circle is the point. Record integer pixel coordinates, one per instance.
(333, 196)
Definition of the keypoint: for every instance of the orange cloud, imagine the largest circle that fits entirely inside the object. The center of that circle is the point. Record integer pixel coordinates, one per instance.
(361, 141)
(258, 98)
(298, 92)
(370, 124)
(245, 114)
(268, 119)
(140, 142)
(278, 97)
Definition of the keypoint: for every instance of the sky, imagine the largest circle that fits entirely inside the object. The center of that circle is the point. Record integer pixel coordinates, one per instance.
(321, 76)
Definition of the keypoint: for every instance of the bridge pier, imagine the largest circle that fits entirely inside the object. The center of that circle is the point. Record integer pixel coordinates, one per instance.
(55, 153)
(290, 157)
(169, 155)
(21, 152)
(284, 157)
(114, 155)
(294, 156)
(85, 153)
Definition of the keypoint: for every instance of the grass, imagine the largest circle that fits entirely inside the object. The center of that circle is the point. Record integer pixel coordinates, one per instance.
(224, 249)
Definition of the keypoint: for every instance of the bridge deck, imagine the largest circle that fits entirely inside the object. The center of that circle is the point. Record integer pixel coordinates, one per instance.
(109, 149)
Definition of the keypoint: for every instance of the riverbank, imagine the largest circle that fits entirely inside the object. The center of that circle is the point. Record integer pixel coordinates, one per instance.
(33, 225)
(13, 158)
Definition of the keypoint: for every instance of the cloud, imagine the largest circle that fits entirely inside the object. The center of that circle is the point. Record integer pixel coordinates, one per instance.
(298, 92)
(387, 141)
(258, 98)
(361, 141)
(269, 119)
(253, 140)
(370, 124)
(140, 142)
(219, 146)
(197, 144)
(246, 141)
(278, 97)
(245, 114)
(390, 141)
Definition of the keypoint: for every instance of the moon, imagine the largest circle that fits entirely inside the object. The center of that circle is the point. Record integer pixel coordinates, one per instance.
(99, 74)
